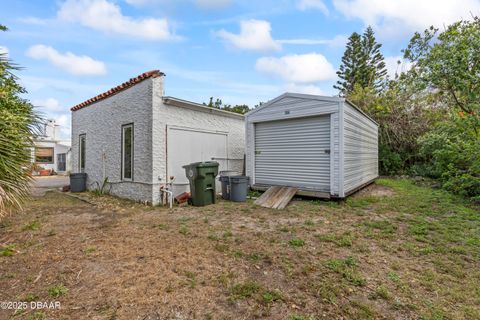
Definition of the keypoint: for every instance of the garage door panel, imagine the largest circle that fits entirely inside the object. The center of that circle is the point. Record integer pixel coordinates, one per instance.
(190, 145)
(293, 153)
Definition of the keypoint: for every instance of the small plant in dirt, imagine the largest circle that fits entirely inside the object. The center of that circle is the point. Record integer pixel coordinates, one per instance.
(272, 296)
(89, 250)
(383, 229)
(30, 297)
(345, 240)
(161, 226)
(57, 290)
(184, 230)
(32, 226)
(7, 251)
(393, 276)
(300, 317)
(102, 188)
(39, 315)
(381, 292)
(346, 268)
(296, 242)
(245, 290)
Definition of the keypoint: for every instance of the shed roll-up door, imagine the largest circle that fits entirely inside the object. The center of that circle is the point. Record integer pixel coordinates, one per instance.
(293, 152)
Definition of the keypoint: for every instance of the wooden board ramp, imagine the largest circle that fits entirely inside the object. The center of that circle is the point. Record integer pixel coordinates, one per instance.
(276, 197)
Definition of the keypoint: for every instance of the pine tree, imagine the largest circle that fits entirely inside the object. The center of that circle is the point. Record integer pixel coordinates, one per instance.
(375, 69)
(362, 64)
(352, 65)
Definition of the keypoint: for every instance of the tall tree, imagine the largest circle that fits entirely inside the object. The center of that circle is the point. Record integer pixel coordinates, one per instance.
(375, 69)
(18, 122)
(353, 62)
(362, 64)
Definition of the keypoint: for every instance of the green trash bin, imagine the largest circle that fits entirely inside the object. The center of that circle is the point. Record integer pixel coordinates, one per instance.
(201, 176)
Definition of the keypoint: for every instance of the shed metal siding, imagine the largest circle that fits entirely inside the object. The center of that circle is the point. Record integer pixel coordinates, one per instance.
(293, 153)
(289, 106)
(360, 145)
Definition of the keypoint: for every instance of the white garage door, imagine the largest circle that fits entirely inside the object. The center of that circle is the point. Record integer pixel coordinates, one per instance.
(185, 145)
(293, 152)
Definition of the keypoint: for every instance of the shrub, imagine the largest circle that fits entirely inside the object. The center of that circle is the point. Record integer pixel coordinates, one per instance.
(452, 155)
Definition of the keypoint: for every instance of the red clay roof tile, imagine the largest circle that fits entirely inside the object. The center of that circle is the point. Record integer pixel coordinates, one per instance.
(123, 86)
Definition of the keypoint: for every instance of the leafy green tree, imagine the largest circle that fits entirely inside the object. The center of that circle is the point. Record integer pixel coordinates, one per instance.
(18, 122)
(449, 65)
(218, 104)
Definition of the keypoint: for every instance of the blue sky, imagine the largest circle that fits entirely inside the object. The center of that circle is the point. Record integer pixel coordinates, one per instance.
(241, 51)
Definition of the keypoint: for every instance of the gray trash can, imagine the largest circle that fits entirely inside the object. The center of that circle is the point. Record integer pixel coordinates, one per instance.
(225, 181)
(238, 188)
(78, 182)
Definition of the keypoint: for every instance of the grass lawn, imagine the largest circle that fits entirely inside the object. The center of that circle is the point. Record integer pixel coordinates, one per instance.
(394, 251)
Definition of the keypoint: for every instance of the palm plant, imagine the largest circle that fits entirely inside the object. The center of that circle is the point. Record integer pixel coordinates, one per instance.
(18, 123)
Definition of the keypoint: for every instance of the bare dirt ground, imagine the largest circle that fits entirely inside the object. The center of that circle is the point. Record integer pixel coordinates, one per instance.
(393, 251)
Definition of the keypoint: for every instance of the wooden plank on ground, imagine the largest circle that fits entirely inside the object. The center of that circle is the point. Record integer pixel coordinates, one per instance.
(286, 198)
(261, 200)
(276, 197)
(270, 201)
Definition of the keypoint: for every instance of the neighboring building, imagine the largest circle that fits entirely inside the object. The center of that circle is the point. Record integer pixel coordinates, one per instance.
(325, 146)
(51, 152)
(138, 138)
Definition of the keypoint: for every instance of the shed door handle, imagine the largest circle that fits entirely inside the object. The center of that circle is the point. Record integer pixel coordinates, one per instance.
(327, 151)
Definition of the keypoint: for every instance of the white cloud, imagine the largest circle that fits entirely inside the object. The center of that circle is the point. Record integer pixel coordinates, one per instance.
(71, 63)
(213, 4)
(393, 16)
(4, 50)
(254, 35)
(107, 17)
(312, 4)
(394, 67)
(49, 105)
(64, 122)
(298, 68)
(308, 89)
(337, 41)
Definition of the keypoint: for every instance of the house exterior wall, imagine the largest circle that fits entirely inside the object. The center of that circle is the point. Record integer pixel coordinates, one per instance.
(57, 148)
(142, 105)
(102, 123)
(289, 106)
(360, 148)
(165, 116)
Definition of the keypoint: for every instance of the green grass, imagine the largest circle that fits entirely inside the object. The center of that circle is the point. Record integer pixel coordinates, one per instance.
(245, 290)
(347, 268)
(90, 249)
(7, 251)
(57, 291)
(296, 242)
(32, 226)
(343, 240)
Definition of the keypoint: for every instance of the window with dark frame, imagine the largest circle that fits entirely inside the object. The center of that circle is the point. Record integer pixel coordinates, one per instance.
(44, 155)
(127, 152)
(81, 153)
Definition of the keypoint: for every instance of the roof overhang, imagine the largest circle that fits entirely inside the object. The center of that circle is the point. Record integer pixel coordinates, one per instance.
(200, 107)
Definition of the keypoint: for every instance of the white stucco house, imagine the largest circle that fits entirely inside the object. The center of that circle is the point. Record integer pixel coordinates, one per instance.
(139, 138)
(50, 151)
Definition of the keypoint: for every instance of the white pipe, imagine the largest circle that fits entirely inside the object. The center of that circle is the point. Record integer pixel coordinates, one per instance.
(170, 196)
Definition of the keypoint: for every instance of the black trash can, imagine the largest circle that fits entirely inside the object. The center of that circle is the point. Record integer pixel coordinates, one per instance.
(238, 188)
(78, 182)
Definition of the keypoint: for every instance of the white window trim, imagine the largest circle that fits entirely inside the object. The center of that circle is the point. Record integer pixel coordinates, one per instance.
(125, 126)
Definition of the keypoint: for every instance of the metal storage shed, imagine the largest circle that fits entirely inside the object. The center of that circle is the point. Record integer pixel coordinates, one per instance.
(324, 146)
